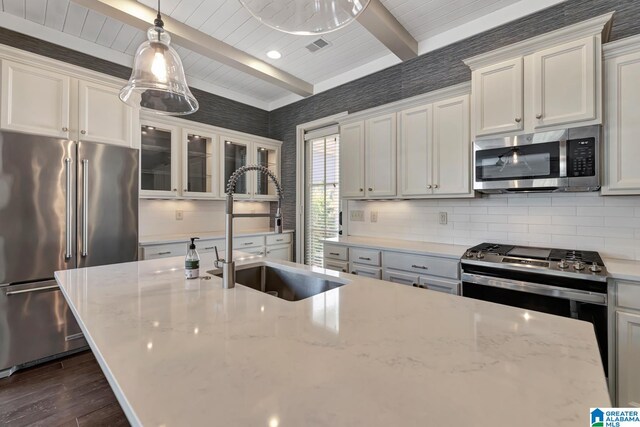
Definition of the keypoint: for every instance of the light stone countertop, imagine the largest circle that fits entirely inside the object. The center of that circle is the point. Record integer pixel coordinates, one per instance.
(163, 239)
(369, 353)
(425, 248)
(623, 269)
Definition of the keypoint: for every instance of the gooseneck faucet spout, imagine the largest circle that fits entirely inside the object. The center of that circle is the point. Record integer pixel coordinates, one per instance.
(228, 265)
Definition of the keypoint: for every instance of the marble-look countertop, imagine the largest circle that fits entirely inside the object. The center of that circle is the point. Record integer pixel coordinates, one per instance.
(162, 239)
(409, 246)
(369, 353)
(623, 269)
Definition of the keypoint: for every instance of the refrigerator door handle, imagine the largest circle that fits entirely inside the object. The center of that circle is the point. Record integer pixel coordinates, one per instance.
(68, 218)
(85, 206)
(26, 291)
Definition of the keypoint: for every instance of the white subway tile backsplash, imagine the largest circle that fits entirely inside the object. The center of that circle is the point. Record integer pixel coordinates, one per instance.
(608, 224)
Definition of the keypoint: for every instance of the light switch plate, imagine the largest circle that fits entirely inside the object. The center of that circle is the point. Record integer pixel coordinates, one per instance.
(374, 216)
(179, 215)
(443, 218)
(357, 215)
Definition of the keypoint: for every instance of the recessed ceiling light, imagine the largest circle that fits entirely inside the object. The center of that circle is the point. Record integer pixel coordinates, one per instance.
(274, 54)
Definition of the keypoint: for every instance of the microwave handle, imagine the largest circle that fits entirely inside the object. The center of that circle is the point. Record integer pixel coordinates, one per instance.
(563, 158)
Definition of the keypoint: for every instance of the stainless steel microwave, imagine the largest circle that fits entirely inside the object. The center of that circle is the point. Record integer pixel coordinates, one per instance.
(562, 160)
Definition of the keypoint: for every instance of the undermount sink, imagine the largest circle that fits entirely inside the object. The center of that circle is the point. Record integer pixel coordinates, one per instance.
(284, 284)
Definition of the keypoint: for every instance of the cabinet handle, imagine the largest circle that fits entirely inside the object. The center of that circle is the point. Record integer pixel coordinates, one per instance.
(420, 267)
(415, 285)
(538, 116)
(268, 252)
(354, 272)
(344, 270)
(370, 189)
(65, 129)
(279, 240)
(435, 185)
(83, 132)
(185, 190)
(518, 119)
(429, 187)
(364, 258)
(175, 189)
(164, 253)
(248, 243)
(334, 253)
(361, 190)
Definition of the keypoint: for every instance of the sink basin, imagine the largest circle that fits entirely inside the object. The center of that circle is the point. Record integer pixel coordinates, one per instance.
(284, 284)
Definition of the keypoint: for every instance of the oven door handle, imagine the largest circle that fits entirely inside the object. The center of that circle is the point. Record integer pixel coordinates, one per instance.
(536, 288)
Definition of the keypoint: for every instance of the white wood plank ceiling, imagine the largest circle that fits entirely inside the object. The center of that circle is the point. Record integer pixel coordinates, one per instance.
(352, 47)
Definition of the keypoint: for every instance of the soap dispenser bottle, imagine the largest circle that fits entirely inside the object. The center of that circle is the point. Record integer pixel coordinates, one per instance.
(192, 261)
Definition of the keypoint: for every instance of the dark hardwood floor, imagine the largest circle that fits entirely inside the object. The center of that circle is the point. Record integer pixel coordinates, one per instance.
(65, 392)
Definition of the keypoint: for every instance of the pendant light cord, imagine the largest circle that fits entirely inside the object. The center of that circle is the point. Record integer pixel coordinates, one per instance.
(158, 21)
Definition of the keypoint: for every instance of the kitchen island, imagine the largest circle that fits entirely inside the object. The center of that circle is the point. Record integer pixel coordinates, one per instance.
(369, 353)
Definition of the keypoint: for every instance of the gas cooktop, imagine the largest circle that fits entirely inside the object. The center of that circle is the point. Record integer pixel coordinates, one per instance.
(566, 262)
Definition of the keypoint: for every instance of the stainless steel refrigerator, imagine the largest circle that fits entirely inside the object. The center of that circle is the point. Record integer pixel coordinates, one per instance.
(63, 204)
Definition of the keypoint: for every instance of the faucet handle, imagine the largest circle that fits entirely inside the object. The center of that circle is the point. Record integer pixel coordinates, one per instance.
(218, 262)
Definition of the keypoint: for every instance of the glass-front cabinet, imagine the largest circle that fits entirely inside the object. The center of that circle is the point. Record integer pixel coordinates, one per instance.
(266, 155)
(158, 159)
(235, 154)
(199, 164)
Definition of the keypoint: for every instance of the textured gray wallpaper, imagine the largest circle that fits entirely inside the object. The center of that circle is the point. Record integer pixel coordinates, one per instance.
(214, 110)
(434, 70)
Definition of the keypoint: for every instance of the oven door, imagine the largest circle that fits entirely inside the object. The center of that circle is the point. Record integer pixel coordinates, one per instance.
(579, 304)
(515, 166)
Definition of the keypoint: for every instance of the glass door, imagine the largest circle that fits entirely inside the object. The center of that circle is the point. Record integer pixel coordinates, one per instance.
(158, 160)
(265, 155)
(322, 194)
(235, 154)
(199, 157)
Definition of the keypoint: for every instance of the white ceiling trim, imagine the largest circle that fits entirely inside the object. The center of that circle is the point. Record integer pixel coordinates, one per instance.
(69, 41)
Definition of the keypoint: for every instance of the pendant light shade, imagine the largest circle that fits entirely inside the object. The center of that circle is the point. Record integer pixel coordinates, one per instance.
(157, 82)
(305, 17)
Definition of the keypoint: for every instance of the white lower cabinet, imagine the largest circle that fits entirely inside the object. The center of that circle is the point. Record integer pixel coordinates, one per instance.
(400, 277)
(366, 271)
(281, 252)
(440, 285)
(341, 266)
(628, 360)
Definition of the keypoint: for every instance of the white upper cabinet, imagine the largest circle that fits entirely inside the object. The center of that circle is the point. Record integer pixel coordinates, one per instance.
(416, 145)
(352, 160)
(622, 118)
(380, 156)
(103, 117)
(200, 160)
(35, 100)
(564, 83)
(159, 160)
(236, 153)
(42, 102)
(267, 155)
(498, 98)
(451, 147)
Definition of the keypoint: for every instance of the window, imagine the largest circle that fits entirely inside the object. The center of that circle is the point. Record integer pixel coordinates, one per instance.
(322, 207)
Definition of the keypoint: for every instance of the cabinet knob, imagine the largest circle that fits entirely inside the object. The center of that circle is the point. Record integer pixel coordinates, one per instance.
(370, 189)
(65, 129)
(538, 116)
(429, 187)
(84, 132)
(361, 190)
(184, 189)
(518, 119)
(435, 186)
(175, 189)
(354, 272)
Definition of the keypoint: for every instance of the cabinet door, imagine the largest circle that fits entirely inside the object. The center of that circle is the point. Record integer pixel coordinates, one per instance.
(159, 160)
(622, 126)
(402, 278)
(334, 265)
(497, 98)
(279, 252)
(34, 100)
(628, 338)
(451, 147)
(103, 117)
(235, 154)
(360, 270)
(416, 138)
(352, 160)
(440, 285)
(564, 84)
(266, 155)
(200, 164)
(380, 156)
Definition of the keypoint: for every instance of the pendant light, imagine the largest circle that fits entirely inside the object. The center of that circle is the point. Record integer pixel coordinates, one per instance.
(305, 17)
(157, 82)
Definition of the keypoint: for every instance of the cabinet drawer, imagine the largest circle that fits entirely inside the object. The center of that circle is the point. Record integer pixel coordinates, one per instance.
(360, 270)
(401, 277)
(440, 285)
(334, 265)
(365, 256)
(335, 252)
(248, 242)
(628, 295)
(279, 239)
(164, 251)
(254, 251)
(422, 264)
(206, 246)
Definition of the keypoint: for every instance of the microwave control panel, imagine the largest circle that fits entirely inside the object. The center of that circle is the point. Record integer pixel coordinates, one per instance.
(581, 157)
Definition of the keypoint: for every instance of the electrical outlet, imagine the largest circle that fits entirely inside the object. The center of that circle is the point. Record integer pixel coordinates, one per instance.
(374, 216)
(356, 215)
(443, 218)
(179, 215)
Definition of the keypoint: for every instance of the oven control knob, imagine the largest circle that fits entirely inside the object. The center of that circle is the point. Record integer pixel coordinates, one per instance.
(563, 264)
(579, 265)
(480, 255)
(468, 254)
(595, 268)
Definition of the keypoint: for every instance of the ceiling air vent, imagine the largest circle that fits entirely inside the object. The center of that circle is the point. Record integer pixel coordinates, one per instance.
(317, 45)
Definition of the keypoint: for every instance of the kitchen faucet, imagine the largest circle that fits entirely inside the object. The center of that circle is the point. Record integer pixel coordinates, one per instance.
(229, 266)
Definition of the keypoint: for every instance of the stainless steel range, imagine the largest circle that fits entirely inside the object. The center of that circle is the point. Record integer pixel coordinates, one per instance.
(568, 283)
